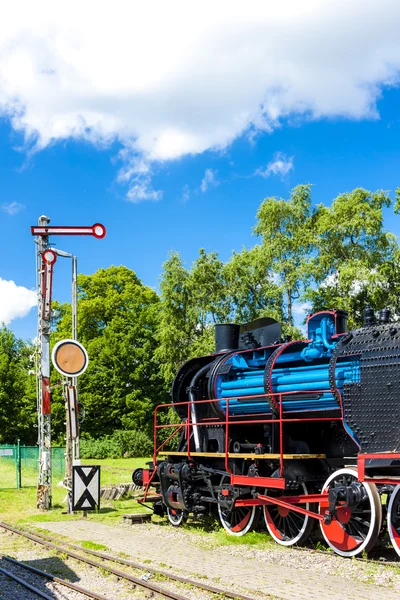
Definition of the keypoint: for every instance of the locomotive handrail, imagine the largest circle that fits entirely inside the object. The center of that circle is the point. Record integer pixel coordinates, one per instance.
(230, 420)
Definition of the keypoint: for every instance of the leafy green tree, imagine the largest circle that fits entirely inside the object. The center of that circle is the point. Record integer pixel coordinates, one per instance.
(211, 292)
(178, 318)
(251, 288)
(354, 265)
(397, 202)
(117, 322)
(17, 391)
(288, 242)
(208, 290)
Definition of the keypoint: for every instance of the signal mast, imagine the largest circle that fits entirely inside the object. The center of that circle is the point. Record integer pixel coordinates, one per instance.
(45, 260)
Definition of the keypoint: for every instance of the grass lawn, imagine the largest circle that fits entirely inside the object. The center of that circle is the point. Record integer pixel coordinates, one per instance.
(116, 470)
(19, 506)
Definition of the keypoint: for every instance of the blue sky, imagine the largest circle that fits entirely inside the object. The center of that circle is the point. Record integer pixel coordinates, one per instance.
(184, 183)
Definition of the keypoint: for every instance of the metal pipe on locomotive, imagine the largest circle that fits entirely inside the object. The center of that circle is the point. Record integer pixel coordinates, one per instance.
(302, 431)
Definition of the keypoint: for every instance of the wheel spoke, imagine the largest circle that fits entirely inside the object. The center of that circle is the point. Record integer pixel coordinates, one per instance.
(287, 527)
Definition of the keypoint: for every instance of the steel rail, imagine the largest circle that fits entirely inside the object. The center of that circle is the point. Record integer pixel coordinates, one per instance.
(73, 586)
(27, 585)
(121, 574)
(139, 566)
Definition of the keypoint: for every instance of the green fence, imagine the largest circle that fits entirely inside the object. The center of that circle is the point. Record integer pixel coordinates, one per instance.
(19, 465)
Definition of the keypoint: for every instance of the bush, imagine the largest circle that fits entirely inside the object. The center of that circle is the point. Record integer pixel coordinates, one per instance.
(133, 443)
(127, 444)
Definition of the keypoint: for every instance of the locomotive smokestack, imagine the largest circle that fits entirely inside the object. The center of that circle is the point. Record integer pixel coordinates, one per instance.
(369, 317)
(226, 337)
(384, 316)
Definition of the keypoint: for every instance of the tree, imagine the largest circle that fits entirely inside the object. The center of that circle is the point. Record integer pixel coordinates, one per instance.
(288, 241)
(251, 287)
(17, 391)
(178, 320)
(355, 261)
(210, 292)
(118, 320)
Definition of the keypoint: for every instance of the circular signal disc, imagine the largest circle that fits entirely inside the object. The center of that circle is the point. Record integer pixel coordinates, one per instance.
(354, 530)
(393, 518)
(49, 257)
(99, 231)
(70, 358)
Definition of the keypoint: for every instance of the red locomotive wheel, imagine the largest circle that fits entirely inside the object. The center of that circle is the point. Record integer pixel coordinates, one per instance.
(355, 530)
(288, 527)
(238, 521)
(393, 518)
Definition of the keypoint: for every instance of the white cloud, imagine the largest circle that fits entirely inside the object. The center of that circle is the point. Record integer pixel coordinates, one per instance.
(13, 208)
(185, 193)
(209, 180)
(280, 165)
(167, 80)
(137, 173)
(15, 301)
(301, 309)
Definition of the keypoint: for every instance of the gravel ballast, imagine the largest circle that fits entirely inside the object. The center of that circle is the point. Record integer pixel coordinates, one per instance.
(261, 572)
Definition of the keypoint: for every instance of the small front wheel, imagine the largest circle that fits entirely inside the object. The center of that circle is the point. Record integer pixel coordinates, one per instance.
(237, 521)
(177, 517)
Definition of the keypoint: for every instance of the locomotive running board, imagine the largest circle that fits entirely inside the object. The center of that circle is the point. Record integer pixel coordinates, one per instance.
(245, 455)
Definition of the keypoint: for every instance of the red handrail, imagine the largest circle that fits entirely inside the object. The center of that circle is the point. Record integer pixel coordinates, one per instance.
(230, 419)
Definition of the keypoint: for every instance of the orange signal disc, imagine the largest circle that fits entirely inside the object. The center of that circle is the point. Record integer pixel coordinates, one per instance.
(70, 358)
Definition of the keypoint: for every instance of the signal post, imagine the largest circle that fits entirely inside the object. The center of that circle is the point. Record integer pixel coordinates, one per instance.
(45, 261)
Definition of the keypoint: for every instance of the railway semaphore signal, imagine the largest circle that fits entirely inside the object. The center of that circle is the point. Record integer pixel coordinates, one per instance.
(45, 261)
(97, 230)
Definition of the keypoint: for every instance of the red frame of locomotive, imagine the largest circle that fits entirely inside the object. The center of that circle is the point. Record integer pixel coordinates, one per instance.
(289, 502)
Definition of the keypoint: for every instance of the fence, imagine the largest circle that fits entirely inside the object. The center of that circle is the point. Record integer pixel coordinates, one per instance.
(19, 465)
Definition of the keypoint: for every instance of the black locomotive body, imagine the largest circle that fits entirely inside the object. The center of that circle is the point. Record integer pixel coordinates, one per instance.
(301, 431)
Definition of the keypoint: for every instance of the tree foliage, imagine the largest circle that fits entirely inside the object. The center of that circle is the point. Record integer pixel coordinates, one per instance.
(17, 391)
(288, 240)
(118, 319)
(354, 256)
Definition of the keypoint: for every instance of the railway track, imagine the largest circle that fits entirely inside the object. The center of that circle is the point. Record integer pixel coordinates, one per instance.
(47, 576)
(67, 549)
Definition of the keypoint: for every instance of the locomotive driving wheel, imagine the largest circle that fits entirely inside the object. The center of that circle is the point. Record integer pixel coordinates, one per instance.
(288, 527)
(393, 518)
(176, 517)
(354, 529)
(236, 521)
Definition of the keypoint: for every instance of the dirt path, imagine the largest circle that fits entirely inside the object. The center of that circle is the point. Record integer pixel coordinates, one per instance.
(279, 572)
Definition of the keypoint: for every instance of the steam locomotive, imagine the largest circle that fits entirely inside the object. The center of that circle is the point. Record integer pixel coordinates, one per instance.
(294, 431)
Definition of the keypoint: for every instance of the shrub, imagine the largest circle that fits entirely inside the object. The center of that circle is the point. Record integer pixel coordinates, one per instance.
(133, 443)
(126, 444)
(105, 447)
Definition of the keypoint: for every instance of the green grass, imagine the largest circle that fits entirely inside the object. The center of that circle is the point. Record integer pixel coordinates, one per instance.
(93, 546)
(116, 470)
(19, 506)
